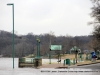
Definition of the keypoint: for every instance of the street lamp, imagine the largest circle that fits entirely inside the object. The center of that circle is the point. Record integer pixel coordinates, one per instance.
(13, 33)
(76, 52)
(38, 48)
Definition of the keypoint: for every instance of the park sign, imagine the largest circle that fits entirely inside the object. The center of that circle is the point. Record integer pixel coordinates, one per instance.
(55, 47)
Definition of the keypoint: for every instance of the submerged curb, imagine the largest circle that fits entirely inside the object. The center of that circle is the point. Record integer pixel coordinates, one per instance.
(88, 64)
(60, 67)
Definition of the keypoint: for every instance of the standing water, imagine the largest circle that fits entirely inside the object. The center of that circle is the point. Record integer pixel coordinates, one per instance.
(6, 68)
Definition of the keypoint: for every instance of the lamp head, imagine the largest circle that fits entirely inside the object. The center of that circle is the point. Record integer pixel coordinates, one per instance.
(10, 4)
(38, 39)
(75, 47)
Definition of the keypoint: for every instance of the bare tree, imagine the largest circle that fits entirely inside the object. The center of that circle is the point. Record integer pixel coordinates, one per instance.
(96, 33)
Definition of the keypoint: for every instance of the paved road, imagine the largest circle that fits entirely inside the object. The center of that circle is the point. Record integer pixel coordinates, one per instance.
(92, 66)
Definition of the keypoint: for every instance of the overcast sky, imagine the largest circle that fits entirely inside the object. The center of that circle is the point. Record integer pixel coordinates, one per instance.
(42, 16)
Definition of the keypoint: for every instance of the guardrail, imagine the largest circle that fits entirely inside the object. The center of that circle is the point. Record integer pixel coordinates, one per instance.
(26, 62)
(29, 62)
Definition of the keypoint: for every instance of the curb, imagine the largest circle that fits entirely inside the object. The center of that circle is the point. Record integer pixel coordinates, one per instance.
(88, 64)
(60, 67)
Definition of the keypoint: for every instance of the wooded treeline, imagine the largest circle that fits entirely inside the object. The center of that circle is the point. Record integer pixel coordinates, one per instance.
(27, 44)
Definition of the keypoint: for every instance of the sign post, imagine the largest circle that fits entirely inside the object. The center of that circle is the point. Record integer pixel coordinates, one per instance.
(56, 48)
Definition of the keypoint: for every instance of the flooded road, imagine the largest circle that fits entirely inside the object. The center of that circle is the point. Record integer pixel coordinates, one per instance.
(6, 68)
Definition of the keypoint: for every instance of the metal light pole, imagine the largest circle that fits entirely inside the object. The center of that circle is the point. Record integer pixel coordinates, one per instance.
(37, 50)
(38, 47)
(76, 51)
(50, 51)
(13, 33)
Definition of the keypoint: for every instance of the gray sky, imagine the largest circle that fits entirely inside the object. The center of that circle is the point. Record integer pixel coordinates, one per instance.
(42, 16)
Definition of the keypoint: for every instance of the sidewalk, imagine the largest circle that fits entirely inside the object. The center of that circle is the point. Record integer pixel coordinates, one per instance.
(52, 65)
(66, 66)
(88, 63)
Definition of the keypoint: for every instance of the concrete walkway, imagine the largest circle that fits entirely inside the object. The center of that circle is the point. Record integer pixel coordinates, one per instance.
(66, 66)
(52, 66)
